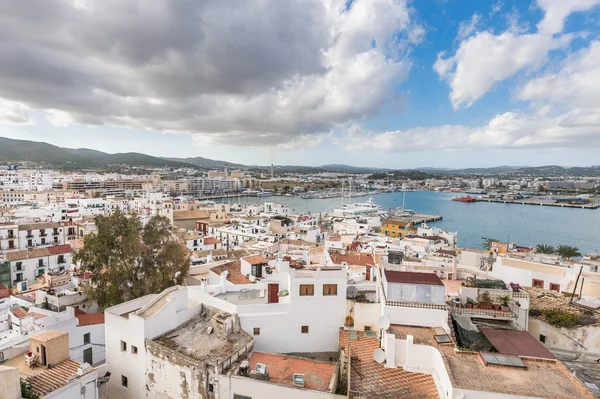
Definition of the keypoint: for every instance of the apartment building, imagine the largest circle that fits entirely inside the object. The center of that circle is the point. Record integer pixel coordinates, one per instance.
(27, 265)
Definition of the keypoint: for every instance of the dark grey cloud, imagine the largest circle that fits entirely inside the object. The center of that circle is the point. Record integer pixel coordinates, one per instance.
(257, 72)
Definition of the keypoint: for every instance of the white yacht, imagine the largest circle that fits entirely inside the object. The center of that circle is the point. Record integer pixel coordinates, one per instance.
(357, 208)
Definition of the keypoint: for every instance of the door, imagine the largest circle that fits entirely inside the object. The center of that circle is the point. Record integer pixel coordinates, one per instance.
(44, 356)
(87, 356)
(368, 273)
(273, 293)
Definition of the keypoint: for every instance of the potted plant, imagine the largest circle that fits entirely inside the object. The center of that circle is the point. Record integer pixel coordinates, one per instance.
(470, 302)
(485, 300)
(505, 301)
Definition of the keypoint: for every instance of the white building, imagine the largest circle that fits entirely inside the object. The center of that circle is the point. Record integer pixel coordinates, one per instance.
(28, 265)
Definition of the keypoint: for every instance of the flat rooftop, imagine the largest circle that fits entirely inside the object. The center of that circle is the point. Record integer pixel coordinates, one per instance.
(318, 376)
(542, 378)
(193, 340)
(246, 297)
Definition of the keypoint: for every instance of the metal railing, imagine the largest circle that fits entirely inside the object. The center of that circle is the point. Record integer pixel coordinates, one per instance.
(484, 312)
(419, 305)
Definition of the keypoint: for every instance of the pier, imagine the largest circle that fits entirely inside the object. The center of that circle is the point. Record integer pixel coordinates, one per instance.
(542, 202)
(418, 218)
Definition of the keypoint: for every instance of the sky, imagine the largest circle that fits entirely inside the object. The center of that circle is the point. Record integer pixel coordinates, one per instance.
(382, 83)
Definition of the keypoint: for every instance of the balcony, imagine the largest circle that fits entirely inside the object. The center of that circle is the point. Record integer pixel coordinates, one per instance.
(29, 235)
(55, 233)
(43, 234)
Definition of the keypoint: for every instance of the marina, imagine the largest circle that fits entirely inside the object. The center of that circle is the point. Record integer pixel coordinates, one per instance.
(542, 202)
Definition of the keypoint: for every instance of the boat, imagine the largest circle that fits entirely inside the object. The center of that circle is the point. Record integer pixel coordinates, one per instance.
(475, 191)
(455, 190)
(468, 198)
(358, 208)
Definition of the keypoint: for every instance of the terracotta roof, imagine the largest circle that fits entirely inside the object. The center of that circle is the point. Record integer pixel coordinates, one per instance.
(541, 299)
(88, 319)
(518, 343)
(37, 226)
(234, 273)
(452, 252)
(352, 258)
(256, 259)
(60, 249)
(52, 379)
(211, 241)
(19, 312)
(84, 275)
(542, 379)
(182, 215)
(48, 335)
(369, 379)
(317, 375)
(402, 223)
(27, 254)
(412, 278)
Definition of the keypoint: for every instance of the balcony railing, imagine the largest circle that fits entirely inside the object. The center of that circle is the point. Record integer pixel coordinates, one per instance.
(43, 234)
(29, 235)
(420, 305)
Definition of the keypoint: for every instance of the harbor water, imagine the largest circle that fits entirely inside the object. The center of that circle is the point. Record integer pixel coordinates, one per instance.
(524, 224)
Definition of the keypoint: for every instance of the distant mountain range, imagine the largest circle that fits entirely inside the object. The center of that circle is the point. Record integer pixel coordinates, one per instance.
(15, 151)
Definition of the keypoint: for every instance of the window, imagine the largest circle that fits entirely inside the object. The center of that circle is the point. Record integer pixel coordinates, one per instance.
(537, 283)
(211, 388)
(61, 259)
(307, 290)
(134, 349)
(124, 381)
(304, 329)
(19, 265)
(256, 330)
(257, 270)
(329, 289)
(86, 338)
(542, 339)
(41, 263)
(123, 346)
(554, 287)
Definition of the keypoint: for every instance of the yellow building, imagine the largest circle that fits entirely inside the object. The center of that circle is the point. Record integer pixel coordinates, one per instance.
(394, 228)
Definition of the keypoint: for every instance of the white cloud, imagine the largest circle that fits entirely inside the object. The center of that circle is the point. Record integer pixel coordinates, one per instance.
(14, 113)
(467, 28)
(485, 59)
(510, 130)
(263, 73)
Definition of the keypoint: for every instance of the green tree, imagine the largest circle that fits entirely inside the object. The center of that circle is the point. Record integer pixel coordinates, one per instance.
(544, 249)
(567, 251)
(129, 260)
(487, 243)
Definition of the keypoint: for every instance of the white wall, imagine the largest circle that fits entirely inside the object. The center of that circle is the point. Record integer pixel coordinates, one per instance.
(230, 385)
(364, 314)
(585, 339)
(416, 316)
(75, 390)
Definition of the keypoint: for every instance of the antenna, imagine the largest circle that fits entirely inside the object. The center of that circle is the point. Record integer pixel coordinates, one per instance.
(351, 292)
(383, 322)
(379, 356)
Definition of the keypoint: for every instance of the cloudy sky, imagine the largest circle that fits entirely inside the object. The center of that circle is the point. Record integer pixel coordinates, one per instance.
(390, 83)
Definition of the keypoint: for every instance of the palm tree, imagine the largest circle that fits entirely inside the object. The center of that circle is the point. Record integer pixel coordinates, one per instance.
(487, 243)
(567, 251)
(544, 249)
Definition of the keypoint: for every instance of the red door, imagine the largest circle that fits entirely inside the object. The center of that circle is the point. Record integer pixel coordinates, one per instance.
(368, 273)
(273, 293)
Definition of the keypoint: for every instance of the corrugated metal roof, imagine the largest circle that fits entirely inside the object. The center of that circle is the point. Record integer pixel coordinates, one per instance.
(518, 343)
(412, 278)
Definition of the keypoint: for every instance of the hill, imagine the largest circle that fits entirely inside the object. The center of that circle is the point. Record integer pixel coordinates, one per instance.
(207, 163)
(12, 150)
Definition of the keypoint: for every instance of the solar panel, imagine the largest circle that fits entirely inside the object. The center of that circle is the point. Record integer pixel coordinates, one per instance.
(502, 360)
(442, 339)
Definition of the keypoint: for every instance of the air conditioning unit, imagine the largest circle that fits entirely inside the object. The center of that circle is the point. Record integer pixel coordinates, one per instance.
(298, 379)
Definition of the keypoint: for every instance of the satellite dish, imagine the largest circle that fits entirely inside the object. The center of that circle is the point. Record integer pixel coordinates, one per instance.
(383, 322)
(351, 292)
(524, 303)
(379, 356)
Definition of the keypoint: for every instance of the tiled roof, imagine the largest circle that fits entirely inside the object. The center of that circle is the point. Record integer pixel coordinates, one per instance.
(182, 215)
(27, 254)
(48, 335)
(37, 226)
(234, 273)
(19, 312)
(60, 249)
(52, 379)
(541, 299)
(211, 241)
(88, 319)
(542, 379)
(412, 278)
(369, 379)
(317, 375)
(256, 259)
(352, 258)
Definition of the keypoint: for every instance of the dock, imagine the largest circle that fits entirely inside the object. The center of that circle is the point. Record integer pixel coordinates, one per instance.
(418, 218)
(542, 202)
